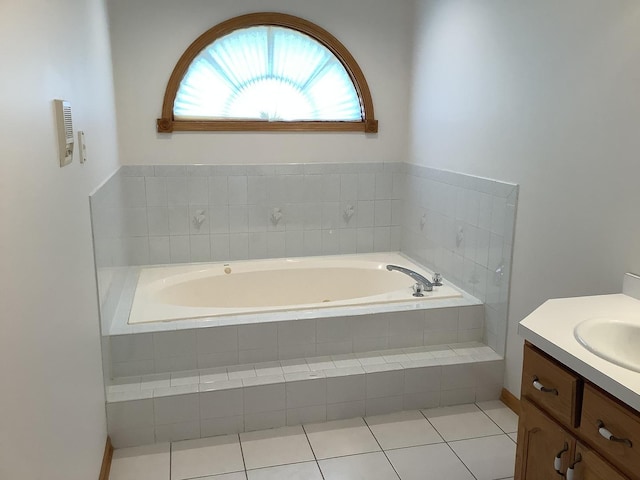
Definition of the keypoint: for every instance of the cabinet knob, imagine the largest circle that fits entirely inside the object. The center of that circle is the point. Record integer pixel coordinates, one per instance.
(610, 436)
(539, 386)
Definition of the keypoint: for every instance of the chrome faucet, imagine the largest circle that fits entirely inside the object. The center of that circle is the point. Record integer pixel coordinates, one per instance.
(422, 283)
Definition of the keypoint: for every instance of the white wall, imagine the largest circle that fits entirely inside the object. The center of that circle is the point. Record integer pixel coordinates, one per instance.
(545, 94)
(148, 37)
(52, 424)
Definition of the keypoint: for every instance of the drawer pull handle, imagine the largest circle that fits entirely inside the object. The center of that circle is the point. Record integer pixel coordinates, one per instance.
(557, 461)
(610, 436)
(571, 469)
(538, 386)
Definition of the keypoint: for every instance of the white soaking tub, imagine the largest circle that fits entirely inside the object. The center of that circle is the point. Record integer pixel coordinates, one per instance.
(259, 286)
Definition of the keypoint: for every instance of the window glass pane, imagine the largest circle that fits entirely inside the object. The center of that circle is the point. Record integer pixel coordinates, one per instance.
(267, 73)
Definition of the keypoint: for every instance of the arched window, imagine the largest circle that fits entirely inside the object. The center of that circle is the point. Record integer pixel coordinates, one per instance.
(267, 71)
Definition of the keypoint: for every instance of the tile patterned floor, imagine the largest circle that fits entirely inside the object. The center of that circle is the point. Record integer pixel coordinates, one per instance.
(466, 442)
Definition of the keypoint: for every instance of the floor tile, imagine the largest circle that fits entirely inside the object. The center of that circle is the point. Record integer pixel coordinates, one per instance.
(514, 436)
(278, 446)
(428, 462)
(150, 462)
(488, 458)
(461, 422)
(346, 450)
(296, 471)
(206, 456)
(341, 437)
(402, 429)
(368, 466)
(500, 414)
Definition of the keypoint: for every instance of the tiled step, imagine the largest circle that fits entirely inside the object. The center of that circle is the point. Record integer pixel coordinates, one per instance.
(208, 402)
(274, 337)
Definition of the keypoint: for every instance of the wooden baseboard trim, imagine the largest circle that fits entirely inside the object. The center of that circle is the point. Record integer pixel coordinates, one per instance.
(510, 400)
(106, 460)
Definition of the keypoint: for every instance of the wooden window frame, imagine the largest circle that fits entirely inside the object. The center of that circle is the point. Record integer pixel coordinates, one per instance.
(168, 123)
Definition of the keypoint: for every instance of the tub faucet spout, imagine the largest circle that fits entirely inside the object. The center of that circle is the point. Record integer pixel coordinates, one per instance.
(421, 280)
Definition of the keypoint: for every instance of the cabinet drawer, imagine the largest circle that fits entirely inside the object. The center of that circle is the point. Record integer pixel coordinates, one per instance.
(602, 415)
(551, 386)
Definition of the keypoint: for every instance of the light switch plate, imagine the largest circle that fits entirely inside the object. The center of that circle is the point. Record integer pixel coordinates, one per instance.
(82, 147)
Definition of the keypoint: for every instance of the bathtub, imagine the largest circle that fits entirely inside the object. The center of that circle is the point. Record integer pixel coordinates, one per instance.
(260, 286)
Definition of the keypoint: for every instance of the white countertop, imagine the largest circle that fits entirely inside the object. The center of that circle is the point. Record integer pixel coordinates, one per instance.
(550, 328)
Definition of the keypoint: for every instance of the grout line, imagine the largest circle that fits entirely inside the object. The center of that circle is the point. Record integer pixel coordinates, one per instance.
(474, 438)
(244, 464)
(320, 470)
(312, 451)
(458, 457)
(315, 457)
(297, 462)
(382, 449)
(415, 446)
(496, 423)
(432, 425)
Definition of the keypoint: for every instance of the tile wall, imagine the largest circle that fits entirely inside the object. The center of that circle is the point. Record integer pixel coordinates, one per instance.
(177, 214)
(463, 227)
(459, 225)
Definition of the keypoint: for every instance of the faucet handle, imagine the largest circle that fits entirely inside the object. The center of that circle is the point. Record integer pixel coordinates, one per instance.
(437, 279)
(418, 288)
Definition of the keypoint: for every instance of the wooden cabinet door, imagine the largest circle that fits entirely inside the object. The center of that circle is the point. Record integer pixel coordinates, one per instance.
(540, 440)
(591, 467)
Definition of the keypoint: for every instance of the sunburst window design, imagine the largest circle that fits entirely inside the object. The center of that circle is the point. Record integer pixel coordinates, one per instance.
(267, 71)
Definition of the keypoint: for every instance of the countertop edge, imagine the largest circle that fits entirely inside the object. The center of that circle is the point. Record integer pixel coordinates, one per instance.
(600, 379)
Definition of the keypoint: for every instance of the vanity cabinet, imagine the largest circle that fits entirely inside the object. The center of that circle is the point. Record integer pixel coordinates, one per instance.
(570, 429)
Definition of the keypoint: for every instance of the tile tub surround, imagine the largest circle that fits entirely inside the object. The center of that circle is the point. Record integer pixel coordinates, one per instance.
(176, 214)
(151, 215)
(463, 227)
(209, 402)
(223, 345)
(146, 215)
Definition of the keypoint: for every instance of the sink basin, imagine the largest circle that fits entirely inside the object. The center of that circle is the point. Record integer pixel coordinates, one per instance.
(615, 340)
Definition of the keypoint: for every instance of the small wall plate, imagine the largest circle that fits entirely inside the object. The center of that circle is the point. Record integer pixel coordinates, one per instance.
(82, 147)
